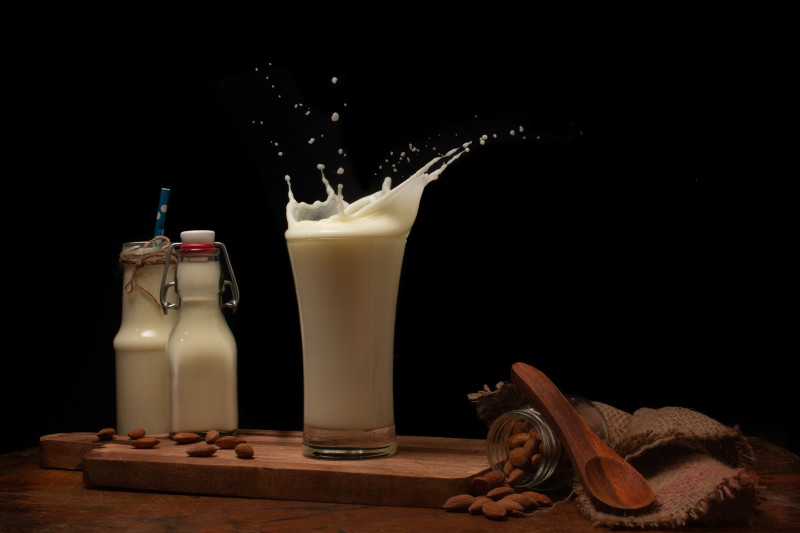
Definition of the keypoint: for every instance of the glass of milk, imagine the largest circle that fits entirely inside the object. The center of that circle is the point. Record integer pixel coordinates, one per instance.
(346, 261)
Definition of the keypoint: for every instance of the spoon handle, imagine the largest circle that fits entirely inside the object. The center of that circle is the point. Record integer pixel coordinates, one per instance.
(565, 421)
(604, 474)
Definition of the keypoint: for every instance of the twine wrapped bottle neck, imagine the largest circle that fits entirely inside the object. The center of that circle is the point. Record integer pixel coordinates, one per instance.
(153, 252)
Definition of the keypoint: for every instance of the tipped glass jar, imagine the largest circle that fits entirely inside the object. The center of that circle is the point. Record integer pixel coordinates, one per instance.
(523, 446)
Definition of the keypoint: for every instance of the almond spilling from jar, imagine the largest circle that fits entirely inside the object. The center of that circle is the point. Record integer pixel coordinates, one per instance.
(459, 502)
(201, 449)
(477, 505)
(145, 442)
(537, 498)
(137, 433)
(494, 510)
(186, 438)
(500, 492)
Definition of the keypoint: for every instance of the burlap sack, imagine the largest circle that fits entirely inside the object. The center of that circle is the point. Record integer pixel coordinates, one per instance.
(699, 469)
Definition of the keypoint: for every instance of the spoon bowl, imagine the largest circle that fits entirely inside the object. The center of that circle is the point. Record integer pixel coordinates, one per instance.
(605, 475)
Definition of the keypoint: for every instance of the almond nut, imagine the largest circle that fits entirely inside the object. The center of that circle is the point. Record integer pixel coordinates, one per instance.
(510, 504)
(500, 492)
(459, 502)
(137, 433)
(519, 457)
(477, 505)
(212, 436)
(516, 476)
(494, 510)
(230, 442)
(479, 486)
(524, 502)
(106, 433)
(518, 440)
(495, 478)
(244, 450)
(145, 442)
(186, 438)
(201, 449)
(537, 498)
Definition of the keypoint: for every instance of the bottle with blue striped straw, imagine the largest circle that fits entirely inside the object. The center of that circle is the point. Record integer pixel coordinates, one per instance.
(140, 345)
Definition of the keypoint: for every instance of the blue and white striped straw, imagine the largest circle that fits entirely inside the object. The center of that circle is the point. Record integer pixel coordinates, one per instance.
(161, 216)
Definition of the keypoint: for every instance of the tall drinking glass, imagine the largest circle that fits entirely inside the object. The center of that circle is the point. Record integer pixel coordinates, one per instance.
(347, 295)
(346, 261)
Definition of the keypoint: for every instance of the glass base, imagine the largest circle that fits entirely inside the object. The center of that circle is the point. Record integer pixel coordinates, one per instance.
(349, 444)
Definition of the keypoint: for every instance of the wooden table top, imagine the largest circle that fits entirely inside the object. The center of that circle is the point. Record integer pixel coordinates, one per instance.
(35, 499)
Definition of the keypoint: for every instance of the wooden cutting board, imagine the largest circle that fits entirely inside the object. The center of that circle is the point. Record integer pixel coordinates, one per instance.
(424, 472)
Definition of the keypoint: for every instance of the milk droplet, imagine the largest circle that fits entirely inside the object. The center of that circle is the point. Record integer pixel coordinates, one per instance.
(311, 140)
(340, 151)
(521, 129)
(340, 171)
(334, 80)
(308, 112)
(335, 116)
(280, 154)
(320, 166)
(512, 133)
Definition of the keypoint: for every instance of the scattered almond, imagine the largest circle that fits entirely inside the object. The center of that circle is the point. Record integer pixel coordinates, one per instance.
(499, 492)
(459, 502)
(494, 510)
(106, 433)
(524, 502)
(201, 449)
(145, 442)
(477, 505)
(538, 499)
(229, 442)
(137, 433)
(244, 450)
(495, 478)
(186, 438)
(212, 436)
(511, 504)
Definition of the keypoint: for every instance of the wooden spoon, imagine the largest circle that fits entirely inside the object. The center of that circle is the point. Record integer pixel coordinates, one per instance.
(604, 474)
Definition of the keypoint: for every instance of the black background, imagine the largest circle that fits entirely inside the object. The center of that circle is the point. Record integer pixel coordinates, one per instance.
(632, 246)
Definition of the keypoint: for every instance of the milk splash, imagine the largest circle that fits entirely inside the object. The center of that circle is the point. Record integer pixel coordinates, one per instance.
(386, 213)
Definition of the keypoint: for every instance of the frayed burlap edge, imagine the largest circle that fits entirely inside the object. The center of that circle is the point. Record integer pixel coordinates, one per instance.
(733, 499)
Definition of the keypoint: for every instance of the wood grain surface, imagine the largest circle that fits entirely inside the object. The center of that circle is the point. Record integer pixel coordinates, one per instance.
(424, 472)
(37, 500)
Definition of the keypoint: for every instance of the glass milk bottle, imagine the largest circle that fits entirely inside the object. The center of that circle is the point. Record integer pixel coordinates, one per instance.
(140, 345)
(201, 349)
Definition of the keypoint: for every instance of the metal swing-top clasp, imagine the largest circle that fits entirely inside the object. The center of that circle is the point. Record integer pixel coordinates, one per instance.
(234, 287)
